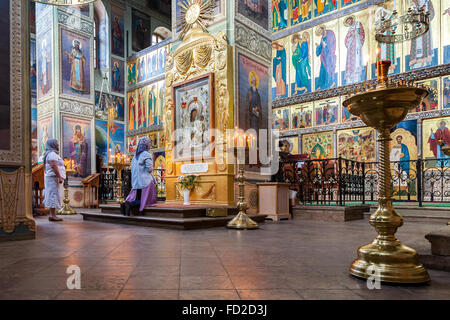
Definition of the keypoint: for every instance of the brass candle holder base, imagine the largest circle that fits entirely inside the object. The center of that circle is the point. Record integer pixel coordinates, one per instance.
(386, 259)
(242, 221)
(66, 209)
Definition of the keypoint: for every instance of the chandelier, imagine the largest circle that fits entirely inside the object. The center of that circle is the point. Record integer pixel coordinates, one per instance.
(392, 28)
(65, 2)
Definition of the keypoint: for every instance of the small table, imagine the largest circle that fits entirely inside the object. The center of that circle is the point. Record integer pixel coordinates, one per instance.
(273, 200)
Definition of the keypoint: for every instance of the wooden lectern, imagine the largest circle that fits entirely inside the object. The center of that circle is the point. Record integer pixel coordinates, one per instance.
(273, 200)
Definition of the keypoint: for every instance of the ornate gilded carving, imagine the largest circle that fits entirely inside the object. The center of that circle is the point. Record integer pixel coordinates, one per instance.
(11, 202)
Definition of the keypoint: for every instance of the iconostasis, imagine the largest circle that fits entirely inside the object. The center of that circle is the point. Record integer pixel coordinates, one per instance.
(314, 58)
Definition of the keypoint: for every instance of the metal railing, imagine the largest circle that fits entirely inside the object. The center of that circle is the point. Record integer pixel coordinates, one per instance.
(340, 181)
(107, 190)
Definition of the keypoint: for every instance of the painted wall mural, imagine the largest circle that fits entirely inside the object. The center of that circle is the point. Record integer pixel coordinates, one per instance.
(44, 132)
(77, 144)
(281, 119)
(318, 145)
(445, 25)
(301, 63)
(302, 116)
(44, 65)
(117, 73)
(116, 138)
(423, 51)
(357, 144)
(430, 102)
(354, 46)
(300, 11)
(280, 75)
(326, 111)
(255, 10)
(446, 92)
(436, 134)
(141, 31)
(253, 82)
(326, 63)
(75, 64)
(117, 31)
(322, 7)
(279, 15)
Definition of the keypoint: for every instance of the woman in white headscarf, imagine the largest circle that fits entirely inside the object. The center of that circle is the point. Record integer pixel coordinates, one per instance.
(55, 173)
(143, 193)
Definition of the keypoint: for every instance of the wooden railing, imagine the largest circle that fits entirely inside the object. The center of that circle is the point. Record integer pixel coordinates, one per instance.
(38, 188)
(90, 190)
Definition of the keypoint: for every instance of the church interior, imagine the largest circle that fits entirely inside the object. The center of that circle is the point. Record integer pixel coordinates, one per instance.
(225, 149)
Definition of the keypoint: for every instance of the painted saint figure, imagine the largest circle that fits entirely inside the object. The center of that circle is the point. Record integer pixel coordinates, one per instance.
(131, 113)
(44, 69)
(326, 50)
(116, 77)
(78, 151)
(300, 61)
(400, 155)
(140, 109)
(117, 36)
(421, 51)
(354, 41)
(279, 69)
(279, 8)
(437, 140)
(254, 103)
(78, 64)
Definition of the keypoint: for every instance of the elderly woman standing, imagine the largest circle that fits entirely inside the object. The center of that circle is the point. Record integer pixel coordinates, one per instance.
(143, 193)
(55, 173)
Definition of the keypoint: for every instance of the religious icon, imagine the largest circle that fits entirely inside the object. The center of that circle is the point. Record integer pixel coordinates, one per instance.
(345, 3)
(141, 31)
(118, 104)
(302, 116)
(326, 52)
(141, 69)
(437, 139)
(279, 15)
(116, 137)
(279, 69)
(326, 111)
(75, 64)
(324, 6)
(357, 144)
(117, 80)
(347, 116)
(301, 63)
(354, 41)
(431, 101)
(131, 111)
(446, 92)
(300, 11)
(193, 117)
(318, 145)
(255, 10)
(254, 102)
(131, 73)
(44, 132)
(445, 25)
(76, 144)
(44, 66)
(421, 51)
(78, 63)
(132, 145)
(280, 119)
(151, 105)
(117, 28)
(141, 106)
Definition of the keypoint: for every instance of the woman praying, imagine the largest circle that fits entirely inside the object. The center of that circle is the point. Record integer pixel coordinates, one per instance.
(143, 193)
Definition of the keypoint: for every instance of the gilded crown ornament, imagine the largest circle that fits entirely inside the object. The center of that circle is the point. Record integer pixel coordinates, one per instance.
(194, 14)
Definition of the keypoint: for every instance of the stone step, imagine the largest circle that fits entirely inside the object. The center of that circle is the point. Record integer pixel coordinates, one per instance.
(165, 222)
(194, 211)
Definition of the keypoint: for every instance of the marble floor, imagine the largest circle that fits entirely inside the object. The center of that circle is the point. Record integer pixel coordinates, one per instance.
(286, 260)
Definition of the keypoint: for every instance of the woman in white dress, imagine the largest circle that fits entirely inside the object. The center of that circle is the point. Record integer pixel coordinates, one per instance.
(55, 173)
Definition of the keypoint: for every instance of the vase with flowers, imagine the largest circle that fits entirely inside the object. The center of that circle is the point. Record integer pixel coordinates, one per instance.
(187, 184)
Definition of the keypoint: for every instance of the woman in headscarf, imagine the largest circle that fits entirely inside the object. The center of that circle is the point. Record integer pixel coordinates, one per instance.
(55, 173)
(143, 193)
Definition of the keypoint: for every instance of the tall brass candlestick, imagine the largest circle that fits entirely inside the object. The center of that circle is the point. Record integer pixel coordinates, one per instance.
(67, 209)
(242, 220)
(382, 108)
(119, 163)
